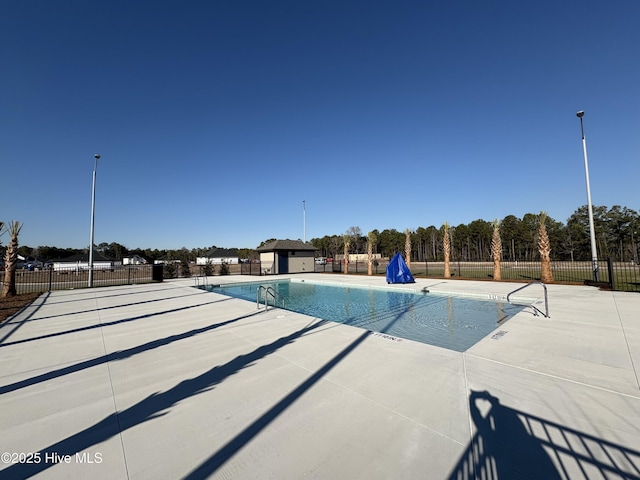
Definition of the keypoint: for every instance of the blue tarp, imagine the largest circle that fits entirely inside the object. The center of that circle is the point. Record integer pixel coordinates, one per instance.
(398, 272)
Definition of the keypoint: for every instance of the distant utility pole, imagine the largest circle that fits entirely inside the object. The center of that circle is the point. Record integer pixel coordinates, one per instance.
(304, 221)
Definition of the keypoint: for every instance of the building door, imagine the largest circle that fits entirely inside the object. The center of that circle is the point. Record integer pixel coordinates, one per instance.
(283, 263)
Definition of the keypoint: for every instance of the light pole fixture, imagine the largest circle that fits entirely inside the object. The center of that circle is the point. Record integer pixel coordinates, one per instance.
(93, 209)
(592, 232)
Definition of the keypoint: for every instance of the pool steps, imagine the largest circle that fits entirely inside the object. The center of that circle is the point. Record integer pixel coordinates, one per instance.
(268, 291)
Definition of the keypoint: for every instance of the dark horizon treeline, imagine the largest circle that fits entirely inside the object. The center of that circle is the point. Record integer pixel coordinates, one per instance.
(617, 230)
(117, 251)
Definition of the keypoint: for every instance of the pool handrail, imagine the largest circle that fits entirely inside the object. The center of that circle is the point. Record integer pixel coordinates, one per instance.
(535, 309)
(268, 291)
(204, 281)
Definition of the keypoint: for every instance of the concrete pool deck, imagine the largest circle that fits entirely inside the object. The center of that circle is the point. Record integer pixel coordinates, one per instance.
(167, 381)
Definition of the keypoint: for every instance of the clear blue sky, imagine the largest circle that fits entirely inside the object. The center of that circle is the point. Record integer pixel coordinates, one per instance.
(216, 119)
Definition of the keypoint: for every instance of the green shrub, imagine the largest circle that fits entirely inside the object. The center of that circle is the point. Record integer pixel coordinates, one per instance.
(169, 270)
(185, 270)
(207, 269)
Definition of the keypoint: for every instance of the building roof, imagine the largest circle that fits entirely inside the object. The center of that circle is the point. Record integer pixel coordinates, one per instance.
(83, 257)
(286, 245)
(222, 253)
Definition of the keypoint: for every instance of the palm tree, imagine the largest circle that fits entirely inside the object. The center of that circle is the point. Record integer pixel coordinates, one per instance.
(544, 247)
(11, 260)
(372, 238)
(496, 250)
(347, 241)
(446, 247)
(407, 247)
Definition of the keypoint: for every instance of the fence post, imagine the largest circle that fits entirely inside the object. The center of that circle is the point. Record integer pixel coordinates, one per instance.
(50, 276)
(610, 269)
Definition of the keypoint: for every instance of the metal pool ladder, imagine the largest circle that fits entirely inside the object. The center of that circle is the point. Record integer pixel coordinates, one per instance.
(535, 309)
(268, 291)
(204, 281)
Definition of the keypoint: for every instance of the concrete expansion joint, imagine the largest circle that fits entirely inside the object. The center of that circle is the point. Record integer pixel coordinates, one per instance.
(626, 340)
(113, 393)
(395, 412)
(557, 377)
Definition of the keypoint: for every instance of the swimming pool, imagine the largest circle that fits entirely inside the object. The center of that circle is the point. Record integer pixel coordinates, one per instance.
(450, 322)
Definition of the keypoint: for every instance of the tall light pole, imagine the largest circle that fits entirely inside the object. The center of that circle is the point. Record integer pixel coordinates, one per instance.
(304, 221)
(592, 232)
(93, 210)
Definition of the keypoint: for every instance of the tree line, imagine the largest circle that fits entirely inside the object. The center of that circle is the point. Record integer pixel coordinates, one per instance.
(616, 231)
(117, 251)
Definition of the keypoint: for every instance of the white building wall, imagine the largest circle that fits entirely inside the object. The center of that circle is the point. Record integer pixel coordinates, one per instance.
(216, 260)
(79, 266)
(267, 261)
(136, 260)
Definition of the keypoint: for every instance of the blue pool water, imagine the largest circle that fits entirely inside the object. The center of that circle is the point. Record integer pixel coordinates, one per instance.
(455, 323)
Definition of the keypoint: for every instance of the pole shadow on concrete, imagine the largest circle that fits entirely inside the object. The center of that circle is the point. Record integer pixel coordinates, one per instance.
(99, 309)
(226, 452)
(6, 325)
(116, 356)
(84, 294)
(154, 406)
(105, 324)
(510, 444)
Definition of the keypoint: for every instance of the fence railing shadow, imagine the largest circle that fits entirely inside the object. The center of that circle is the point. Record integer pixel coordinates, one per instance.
(513, 444)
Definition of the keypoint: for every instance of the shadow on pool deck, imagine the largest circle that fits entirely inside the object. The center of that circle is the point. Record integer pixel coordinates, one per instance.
(508, 442)
(153, 406)
(39, 302)
(218, 459)
(215, 461)
(119, 355)
(101, 324)
(512, 444)
(90, 310)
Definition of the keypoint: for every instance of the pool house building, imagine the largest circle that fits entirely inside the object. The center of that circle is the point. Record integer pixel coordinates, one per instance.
(286, 256)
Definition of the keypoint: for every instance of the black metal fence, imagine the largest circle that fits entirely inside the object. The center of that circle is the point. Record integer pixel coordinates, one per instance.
(252, 268)
(622, 276)
(614, 275)
(44, 280)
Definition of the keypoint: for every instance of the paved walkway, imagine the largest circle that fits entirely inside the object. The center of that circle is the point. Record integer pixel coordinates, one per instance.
(166, 381)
